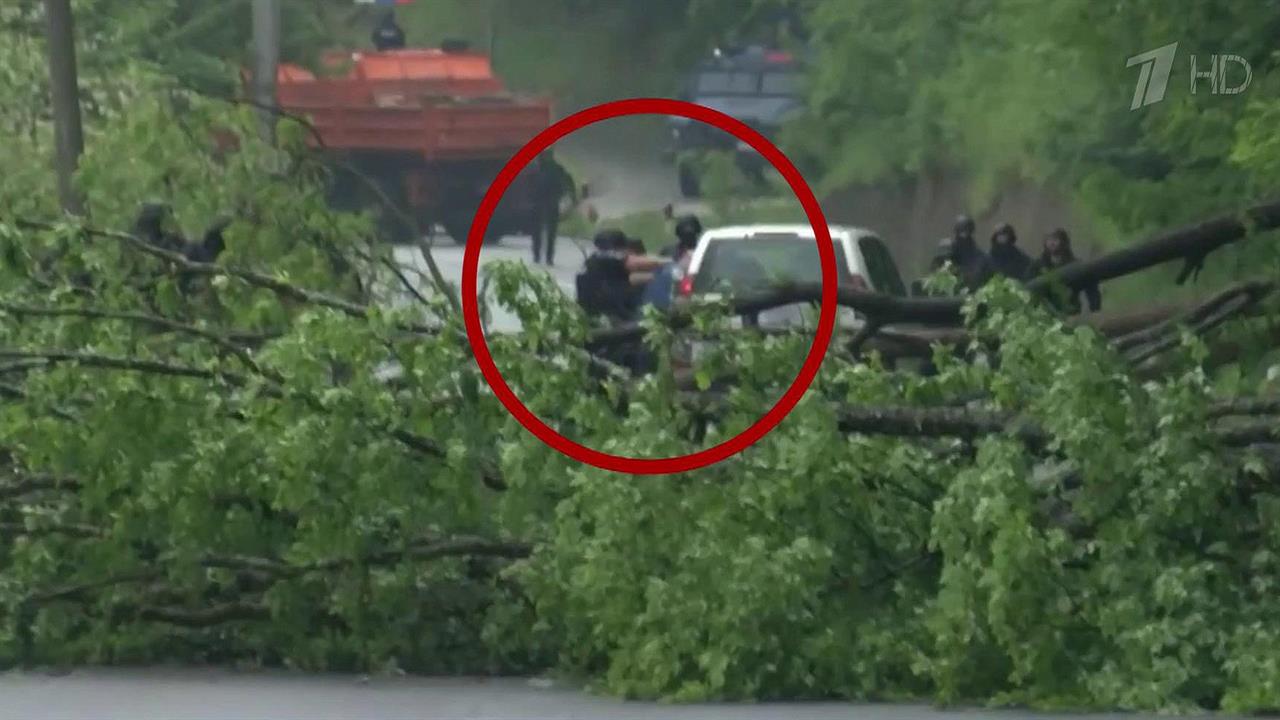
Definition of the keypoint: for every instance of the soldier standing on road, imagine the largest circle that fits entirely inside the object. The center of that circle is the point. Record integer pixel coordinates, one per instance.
(942, 255)
(969, 262)
(1056, 255)
(614, 278)
(611, 271)
(1006, 257)
(551, 183)
(388, 35)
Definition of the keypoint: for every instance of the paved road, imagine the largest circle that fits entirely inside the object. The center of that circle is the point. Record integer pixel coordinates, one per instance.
(448, 256)
(626, 174)
(622, 161)
(196, 694)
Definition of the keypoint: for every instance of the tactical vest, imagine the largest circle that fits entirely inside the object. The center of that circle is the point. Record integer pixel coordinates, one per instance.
(604, 287)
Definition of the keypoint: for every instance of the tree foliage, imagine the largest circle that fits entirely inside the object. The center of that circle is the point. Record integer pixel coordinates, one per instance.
(234, 482)
(226, 474)
(1005, 89)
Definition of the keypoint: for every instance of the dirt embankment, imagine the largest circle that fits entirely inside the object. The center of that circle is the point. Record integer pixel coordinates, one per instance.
(622, 160)
(623, 163)
(913, 216)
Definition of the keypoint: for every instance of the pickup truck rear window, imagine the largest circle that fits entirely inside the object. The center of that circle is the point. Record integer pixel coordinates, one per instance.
(752, 265)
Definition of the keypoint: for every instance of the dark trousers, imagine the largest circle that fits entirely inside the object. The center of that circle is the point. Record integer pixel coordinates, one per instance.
(546, 228)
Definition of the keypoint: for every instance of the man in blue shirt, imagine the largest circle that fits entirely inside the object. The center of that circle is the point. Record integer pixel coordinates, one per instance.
(661, 289)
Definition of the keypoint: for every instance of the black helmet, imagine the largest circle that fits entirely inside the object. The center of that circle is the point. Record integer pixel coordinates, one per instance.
(1004, 229)
(152, 218)
(1064, 239)
(688, 229)
(153, 211)
(964, 225)
(610, 240)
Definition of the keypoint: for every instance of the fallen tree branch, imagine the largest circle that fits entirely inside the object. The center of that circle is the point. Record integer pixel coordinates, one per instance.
(36, 483)
(13, 392)
(902, 343)
(865, 333)
(1127, 330)
(70, 592)
(75, 530)
(1255, 433)
(423, 550)
(1227, 311)
(964, 423)
(223, 341)
(1188, 242)
(22, 366)
(884, 309)
(1156, 330)
(49, 358)
(266, 282)
(34, 359)
(1245, 406)
(207, 617)
(1192, 241)
(969, 424)
(1229, 350)
(1232, 302)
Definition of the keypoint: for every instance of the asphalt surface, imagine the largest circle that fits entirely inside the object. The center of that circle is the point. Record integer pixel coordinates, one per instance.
(221, 695)
(448, 257)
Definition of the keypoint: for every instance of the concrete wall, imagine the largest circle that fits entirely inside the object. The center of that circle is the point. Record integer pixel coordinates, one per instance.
(914, 215)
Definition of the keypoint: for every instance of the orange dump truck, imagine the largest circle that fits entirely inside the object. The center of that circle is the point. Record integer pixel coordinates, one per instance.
(432, 127)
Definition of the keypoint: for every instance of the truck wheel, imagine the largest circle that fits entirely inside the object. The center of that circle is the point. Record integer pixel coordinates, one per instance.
(690, 187)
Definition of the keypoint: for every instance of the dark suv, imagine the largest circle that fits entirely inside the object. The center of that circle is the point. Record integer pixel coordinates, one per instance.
(757, 86)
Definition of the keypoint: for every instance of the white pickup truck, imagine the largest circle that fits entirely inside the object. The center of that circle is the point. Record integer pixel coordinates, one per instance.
(742, 259)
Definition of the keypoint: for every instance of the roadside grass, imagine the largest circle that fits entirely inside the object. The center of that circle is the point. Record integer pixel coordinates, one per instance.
(728, 199)
(657, 232)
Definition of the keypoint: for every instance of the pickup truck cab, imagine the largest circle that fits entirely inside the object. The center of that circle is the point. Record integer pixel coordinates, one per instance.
(745, 259)
(750, 258)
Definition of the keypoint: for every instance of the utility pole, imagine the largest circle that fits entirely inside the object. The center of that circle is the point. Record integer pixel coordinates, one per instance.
(67, 131)
(266, 60)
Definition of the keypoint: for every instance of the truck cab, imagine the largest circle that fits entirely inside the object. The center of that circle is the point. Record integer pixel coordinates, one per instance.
(430, 128)
(757, 86)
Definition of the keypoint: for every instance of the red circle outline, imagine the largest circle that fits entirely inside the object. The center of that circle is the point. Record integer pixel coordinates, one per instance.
(619, 463)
